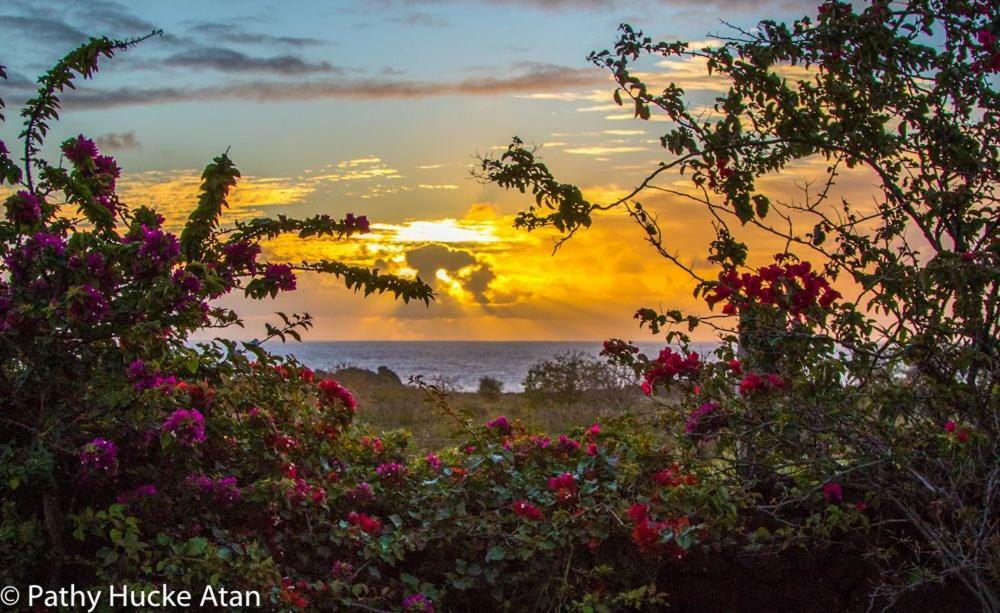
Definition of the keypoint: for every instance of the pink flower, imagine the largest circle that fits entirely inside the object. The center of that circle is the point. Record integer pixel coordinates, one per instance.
(949, 426)
(433, 461)
(241, 255)
(592, 449)
(186, 425)
(417, 603)
(100, 455)
(23, 207)
(391, 471)
(79, 150)
(501, 424)
(280, 275)
(962, 436)
(331, 390)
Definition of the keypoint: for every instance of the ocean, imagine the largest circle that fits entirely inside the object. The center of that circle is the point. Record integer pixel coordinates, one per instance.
(459, 363)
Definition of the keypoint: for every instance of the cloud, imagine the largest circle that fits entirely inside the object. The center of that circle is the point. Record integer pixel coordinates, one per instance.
(569, 5)
(601, 150)
(528, 79)
(232, 33)
(117, 141)
(419, 18)
(229, 60)
(44, 29)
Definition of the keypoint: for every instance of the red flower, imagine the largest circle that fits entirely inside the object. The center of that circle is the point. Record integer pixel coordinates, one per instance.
(833, 492)
(949, 426)
(525, 509)
(367, 524)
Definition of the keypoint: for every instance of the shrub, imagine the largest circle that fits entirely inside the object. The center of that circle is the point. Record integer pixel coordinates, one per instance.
(568, 377)
(805, 408)
(490, 388)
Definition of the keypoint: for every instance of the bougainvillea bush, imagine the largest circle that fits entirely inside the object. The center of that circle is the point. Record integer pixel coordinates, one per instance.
(858, 373)
(130, 455)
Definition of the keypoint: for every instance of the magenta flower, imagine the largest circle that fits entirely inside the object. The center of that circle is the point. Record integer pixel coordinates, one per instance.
(501, 424)
(186, 425)
(137, 494)
(417, 603)
(80, 149)
(23, 207)
(704, 420)
(241, 255)
(433, 461)
(356, 224)
(391, 471)
(158, 250)
(833, 492)
(280, 275)
(100, 455)
(88, 305)
(223, 491)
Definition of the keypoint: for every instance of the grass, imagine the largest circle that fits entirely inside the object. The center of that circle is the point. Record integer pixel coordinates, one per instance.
(387, 404)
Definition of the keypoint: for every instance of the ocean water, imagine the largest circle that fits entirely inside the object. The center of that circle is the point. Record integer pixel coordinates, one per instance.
(460, 363)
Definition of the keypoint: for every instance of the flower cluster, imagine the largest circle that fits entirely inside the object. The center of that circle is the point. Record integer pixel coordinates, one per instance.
(792, 287)
(753, 383)
(223, 491)
(23, 207)
(668, 365)
(674, 477)
(617, 348)
(142, 378)
(392, 472)
(331, 391)
(417, 603)
(100, 455)
(366, 523)
(241, 256)
(704, 420)
(281, 276)
(564, 486)
(187, 426)
(356, 224)
(833, 492)
(136, 494)
(501, 424)
(646, 533)
(960, 434)
(157, 250)
(303, 491)
(523, 508)
(87, 305)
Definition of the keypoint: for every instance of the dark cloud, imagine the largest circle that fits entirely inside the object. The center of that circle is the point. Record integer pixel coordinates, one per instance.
(419, 18)
(561, 5)
(117, 141)
(44, 29)
(427, 260)
(228, 60)
(231, 33)
(544, 77)
(479, 281)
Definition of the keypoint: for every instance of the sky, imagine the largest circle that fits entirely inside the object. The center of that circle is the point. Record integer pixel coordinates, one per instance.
(381, 107)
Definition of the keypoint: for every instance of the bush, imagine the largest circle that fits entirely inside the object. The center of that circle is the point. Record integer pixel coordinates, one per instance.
(568, 377)
(805, 408)
(490, 388)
